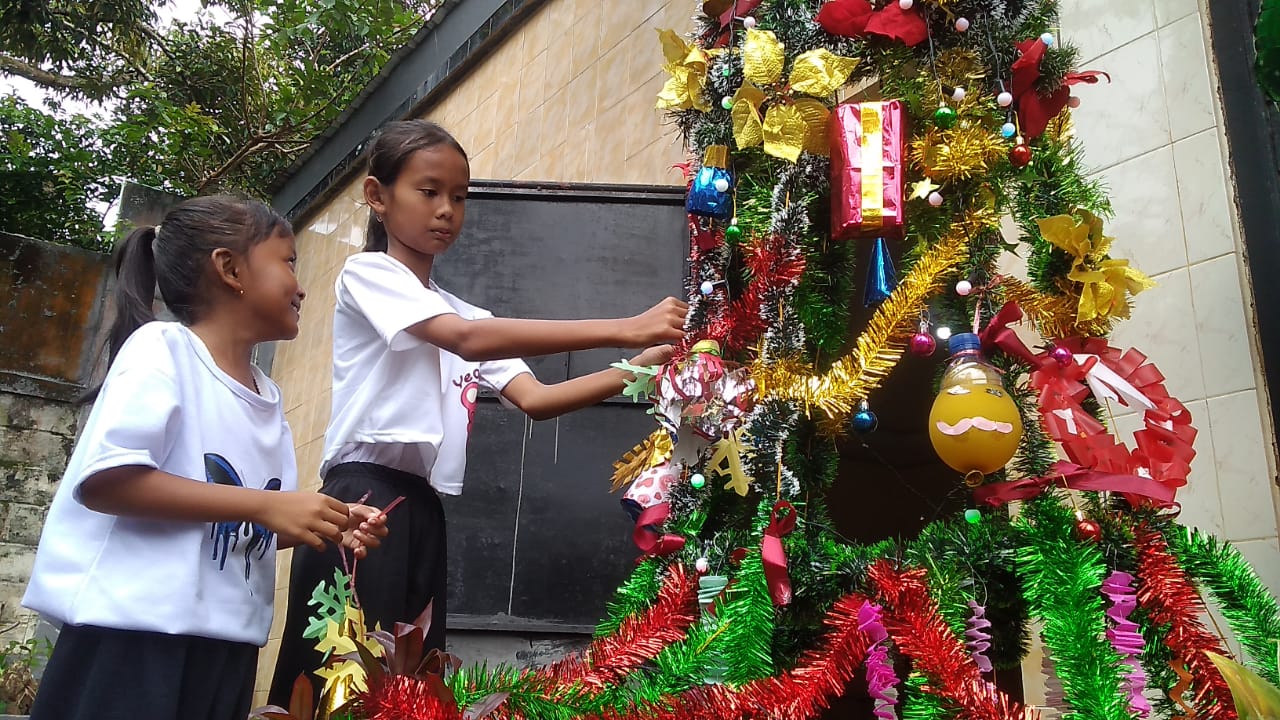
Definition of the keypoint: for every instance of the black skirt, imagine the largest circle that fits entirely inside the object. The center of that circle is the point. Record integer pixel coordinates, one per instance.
(105, 674)
(395, 581)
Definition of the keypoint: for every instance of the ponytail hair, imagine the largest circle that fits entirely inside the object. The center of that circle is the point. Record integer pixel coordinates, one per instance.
(176, 257)
(135, 289)
(388, 155)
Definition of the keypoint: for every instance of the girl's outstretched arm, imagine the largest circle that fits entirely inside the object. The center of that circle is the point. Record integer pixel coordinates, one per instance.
(500, 338)
(543, 402)
(140, 491)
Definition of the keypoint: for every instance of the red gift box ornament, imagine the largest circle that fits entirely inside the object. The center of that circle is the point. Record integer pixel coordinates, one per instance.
(867, 179)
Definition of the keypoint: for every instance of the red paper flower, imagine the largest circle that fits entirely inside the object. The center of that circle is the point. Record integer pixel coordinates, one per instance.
(1036, 110)
(856, 18)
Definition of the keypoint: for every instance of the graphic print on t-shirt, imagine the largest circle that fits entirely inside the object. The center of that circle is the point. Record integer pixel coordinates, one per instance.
(226, 534)
(470, 384)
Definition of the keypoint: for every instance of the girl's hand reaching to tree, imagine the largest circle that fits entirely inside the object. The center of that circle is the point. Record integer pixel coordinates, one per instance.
(656, 355)
(662, 323)
(366, 526)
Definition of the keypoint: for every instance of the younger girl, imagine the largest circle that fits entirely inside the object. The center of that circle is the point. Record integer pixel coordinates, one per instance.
(158, 553)
(408, 359)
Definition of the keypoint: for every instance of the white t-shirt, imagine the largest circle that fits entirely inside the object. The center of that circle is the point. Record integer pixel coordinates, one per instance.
(165, 404)
(398, 400)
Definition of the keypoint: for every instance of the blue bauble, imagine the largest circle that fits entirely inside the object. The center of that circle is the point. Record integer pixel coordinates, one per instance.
(864, 421)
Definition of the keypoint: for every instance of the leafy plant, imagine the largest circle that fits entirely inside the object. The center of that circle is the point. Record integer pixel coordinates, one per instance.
(18, 662)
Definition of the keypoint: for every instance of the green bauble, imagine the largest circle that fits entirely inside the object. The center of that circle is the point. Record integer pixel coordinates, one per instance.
(733, 233)
(945, 117)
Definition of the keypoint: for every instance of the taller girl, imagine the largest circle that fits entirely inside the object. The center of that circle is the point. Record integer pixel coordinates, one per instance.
(400, 421)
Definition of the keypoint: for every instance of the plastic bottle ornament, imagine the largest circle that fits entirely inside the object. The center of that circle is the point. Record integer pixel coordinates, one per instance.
(733, 233)
(1008, 130)
(963, 288)
(705, 196)
(906, 4)
(935, 199)
(864, 421)
(923, 344)
(1020, 154)
(881, 277)
(702, 565)
(974, 425)
(697, 481)
(707, 287)
(944, 117)
(1088, 530)
(1061, 355)
(962, 24)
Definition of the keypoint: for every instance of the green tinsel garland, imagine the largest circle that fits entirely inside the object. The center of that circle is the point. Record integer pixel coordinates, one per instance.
(637, 593)
(920, 705)
(746, 642)
(1062, 576)
(1250, 609)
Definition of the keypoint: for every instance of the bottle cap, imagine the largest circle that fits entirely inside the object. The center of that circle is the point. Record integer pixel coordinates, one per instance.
(962, 342)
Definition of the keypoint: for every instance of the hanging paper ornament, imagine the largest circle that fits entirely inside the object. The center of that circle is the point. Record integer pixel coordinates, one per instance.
(974, 425)
(867, 181)
(705, 196)
(651, 488)
(703, 393)
(881, 277)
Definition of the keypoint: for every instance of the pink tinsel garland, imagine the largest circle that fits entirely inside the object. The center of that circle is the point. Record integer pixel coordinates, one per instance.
(1125, 636)
(880, 676)
(978, 640)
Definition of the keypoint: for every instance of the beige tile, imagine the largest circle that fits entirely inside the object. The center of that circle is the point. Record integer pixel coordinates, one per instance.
(505, 145)
(1097, 27)
(584, 7)
(1126, 117)
(555, 120)
(645, 58)
(585, 39)
(1185, 66)
(484, 124)
(1226, 353)
(528, 142)
(612, 81)
(1161, 328)
(507, 92)
(1244, 481)
(1148, 224)
(533, 87)
(623, 18)
(582, 99)
(552, 163)
(1264, 556)
(645, 124)
(482, 164)
(559, 66)
(609, 145)
(1202, 194)
(577, 155)
(536, 35)
(1168, 11)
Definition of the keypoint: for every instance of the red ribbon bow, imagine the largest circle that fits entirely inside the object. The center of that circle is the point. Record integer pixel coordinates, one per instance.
(647, 535)
(856, 18)
(1036, 110)
(781, 522)
(1073, 477)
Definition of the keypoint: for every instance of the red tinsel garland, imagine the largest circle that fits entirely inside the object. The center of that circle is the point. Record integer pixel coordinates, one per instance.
(1169, 599)
(916, 625)
(772, 266)
(803, 692)
(637, 640)
(401, 697)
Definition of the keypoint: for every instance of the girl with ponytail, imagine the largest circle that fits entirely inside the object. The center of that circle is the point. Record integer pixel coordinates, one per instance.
(158, 554)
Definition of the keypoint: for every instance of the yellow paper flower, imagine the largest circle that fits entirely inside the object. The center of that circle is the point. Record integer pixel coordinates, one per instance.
(791, 124)
(727, 458)
(344, 680)
(1106, 283)
(687, 65)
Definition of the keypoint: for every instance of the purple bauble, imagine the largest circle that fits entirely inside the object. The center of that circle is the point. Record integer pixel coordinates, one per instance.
(1061, 355)
(923, 344)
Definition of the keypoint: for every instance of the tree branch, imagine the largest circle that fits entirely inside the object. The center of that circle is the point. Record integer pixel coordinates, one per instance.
(14, 66)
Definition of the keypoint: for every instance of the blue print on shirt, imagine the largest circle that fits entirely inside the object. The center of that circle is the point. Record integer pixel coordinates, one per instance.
(226, 534)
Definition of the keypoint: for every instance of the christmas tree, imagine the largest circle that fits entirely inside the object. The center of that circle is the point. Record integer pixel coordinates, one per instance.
(916, 127)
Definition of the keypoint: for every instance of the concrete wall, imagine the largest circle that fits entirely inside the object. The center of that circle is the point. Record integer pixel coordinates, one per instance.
(49, 321)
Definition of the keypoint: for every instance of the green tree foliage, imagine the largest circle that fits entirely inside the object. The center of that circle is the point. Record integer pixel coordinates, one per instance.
(221, 101)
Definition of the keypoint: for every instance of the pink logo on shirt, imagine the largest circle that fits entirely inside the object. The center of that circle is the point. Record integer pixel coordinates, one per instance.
(470, 384)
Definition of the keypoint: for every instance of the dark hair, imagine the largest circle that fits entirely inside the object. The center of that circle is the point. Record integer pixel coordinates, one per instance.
(175, 256)
(397, 142)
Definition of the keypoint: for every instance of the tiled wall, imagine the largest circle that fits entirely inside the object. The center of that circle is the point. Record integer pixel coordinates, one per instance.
(568, 97)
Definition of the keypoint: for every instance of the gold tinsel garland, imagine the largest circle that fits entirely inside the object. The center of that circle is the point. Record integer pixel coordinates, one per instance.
(836, 392)
(651, 452)
(1054, 315)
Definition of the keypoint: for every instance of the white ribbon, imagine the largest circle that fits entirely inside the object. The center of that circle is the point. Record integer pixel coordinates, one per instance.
(1106, 383)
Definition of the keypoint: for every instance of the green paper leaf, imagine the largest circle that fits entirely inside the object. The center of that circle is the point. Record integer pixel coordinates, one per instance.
(330, 602)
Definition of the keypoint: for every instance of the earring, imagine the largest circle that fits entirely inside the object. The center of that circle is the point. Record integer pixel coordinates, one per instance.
(377, 217)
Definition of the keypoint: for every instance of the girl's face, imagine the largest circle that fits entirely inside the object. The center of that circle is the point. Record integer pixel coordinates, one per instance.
(424, 208)
(272, 294)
